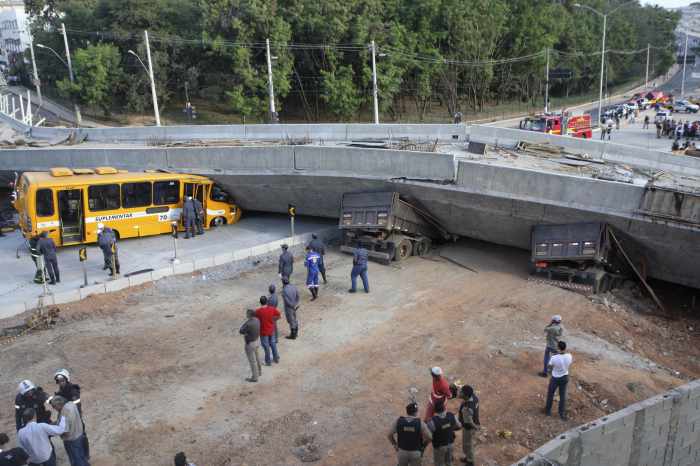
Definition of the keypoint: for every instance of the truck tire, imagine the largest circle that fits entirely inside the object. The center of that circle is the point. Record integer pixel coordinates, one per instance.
(421, 247)
(404, 249)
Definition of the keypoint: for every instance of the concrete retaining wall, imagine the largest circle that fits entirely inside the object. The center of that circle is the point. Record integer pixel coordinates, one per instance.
(11, 308)
(661, 431)
(326, 132)
(650, 159)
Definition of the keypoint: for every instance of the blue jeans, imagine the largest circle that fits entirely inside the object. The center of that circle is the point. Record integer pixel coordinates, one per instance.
(76, 452)
(362, 272)
(270, 343)
(50, 462)
(554, 384)
(547, 355)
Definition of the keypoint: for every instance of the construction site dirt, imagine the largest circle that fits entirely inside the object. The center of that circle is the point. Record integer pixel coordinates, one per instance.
(162, 367)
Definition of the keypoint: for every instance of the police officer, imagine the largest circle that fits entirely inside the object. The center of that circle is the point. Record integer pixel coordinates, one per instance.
(312, 268)
(443, 426)
(359, 267)
(31, 396)
(40, 274)
(107, 241)
(188, 217)
(290, 296)
(469, 418)
(286, 262)
(71, 392)
(409, 435)
(272, 297)
(318, 246)
(199, 215)
(47, 248)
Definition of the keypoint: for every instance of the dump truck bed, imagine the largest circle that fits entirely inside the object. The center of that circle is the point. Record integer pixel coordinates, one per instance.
(569, 242)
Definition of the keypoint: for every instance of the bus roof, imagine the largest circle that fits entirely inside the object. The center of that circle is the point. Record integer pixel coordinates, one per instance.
(49, 180)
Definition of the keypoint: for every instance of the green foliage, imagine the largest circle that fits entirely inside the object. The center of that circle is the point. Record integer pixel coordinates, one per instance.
(424, 47)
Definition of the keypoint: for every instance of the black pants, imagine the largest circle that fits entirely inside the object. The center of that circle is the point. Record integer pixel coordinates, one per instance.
(52, 268)
(554, 384)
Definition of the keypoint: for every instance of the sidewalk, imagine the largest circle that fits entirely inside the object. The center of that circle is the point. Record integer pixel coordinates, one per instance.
(254, 235)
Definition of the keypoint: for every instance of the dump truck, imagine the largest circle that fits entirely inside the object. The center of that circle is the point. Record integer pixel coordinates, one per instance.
(390, 228)
(583, 256)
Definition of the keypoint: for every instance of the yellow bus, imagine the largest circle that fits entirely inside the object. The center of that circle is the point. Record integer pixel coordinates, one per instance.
(70, 203)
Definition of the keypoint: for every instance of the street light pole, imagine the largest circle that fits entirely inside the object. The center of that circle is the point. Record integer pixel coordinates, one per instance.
(685, 59)
(374, 83)
(546, 85)
(78, 117)
(37, 83)
(646, 79)
(602, 69)
(270, 85)
(153, 81)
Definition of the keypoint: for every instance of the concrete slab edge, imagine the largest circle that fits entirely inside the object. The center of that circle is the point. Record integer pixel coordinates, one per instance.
(64, 297)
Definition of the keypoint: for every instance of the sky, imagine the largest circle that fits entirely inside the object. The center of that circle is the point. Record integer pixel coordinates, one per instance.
(668, 3)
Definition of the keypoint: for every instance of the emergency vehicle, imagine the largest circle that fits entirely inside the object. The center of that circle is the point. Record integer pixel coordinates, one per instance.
(578, 126)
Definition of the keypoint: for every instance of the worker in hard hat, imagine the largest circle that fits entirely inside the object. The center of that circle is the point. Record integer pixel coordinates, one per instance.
(189, 217)
(31, 396)
(440, 392)
(71, 392)
(553, 332)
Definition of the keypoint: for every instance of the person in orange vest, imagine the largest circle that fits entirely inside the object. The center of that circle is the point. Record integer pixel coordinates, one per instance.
(441, 392)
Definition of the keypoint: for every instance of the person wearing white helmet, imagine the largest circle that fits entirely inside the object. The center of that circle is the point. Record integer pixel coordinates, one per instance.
(554, 331)
(31, 396)
(71, 392)
(440, 392)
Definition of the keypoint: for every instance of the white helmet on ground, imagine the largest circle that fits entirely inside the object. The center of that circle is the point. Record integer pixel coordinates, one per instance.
(25, 386)
(62, 373)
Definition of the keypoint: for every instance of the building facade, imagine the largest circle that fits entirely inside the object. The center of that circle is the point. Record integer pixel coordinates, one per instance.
(14, 32)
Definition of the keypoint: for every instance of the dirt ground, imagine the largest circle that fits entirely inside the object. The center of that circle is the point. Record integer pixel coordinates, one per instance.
(162, 368)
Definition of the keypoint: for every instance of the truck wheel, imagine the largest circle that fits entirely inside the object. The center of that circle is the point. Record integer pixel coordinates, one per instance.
(403, 249)
(421, 247)
(217, 222)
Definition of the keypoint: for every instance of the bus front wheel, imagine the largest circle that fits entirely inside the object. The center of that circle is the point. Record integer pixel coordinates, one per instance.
(218, 221)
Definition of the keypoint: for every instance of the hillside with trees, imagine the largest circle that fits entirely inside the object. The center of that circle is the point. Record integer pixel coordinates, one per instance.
(432, 55)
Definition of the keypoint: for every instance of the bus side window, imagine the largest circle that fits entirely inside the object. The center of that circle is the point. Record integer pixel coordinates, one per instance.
(103, 197)
(136, 194)
(218, 194)
(166, 192)
(44, 203)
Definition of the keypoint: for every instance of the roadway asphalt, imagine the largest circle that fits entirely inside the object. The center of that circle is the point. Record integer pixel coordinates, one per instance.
(152, 252)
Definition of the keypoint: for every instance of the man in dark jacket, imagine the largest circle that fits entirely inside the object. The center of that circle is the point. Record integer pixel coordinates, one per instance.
(199, 215)
(188, 217)
(286, 263)
(107, 241)
(40, 275)
(31, 396)
(290, 296)
(71, 392)
(359, 268)
(251, 333)
(47, 248)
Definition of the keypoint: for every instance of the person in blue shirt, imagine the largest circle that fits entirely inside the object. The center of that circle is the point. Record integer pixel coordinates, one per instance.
(359, 269)
(312, 263)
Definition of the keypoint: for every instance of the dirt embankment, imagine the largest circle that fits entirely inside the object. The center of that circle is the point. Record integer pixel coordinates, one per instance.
(163, 369)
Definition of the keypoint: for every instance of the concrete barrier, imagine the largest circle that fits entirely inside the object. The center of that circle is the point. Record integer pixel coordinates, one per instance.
(315, 132)
(661, 431)
(10, 309)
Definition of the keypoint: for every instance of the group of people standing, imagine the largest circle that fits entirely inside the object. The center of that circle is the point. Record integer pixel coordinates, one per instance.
(193, 217)
(33, 419)
(410, 435)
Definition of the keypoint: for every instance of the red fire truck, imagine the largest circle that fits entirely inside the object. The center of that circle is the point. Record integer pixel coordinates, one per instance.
(578, 126)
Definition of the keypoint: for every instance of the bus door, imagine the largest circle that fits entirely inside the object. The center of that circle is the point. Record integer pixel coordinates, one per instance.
(71, 215)
(197, 191)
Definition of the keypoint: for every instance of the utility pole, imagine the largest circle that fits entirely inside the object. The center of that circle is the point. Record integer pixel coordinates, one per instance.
(685, 59)
(546, 86)
(374, 83)
(78, 117)
(602, 70)
(153, 81)
(646, 80)
(37, 84)
(270, 86)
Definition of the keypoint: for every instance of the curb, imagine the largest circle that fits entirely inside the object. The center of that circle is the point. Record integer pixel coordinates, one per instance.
(18, 307)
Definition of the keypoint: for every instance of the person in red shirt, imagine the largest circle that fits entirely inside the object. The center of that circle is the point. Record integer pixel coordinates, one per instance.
(441, 392)
(267, 315)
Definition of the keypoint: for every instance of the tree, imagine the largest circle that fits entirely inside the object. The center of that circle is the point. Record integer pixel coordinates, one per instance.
(97, 74)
